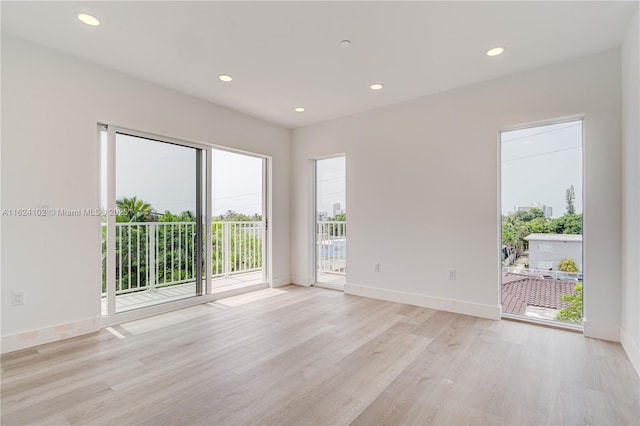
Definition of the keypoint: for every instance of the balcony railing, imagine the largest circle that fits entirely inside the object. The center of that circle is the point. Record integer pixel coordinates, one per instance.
(331, 239)
(151, 255)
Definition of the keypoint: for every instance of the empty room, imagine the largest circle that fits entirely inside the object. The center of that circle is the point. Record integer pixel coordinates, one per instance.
(320, 213)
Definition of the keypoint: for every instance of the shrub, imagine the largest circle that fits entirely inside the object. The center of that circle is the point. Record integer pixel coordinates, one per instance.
(573, 312)
(567, 265)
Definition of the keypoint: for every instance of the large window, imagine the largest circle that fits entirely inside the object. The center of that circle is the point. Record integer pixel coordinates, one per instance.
(541, 175)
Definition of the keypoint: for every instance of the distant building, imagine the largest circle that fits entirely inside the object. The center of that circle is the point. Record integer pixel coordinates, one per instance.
(547, 210)
(336, 209)
(322, 216)
(546, 250)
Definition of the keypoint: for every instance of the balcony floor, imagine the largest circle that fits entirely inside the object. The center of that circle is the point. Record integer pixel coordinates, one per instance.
(142, 299)
(331, 280)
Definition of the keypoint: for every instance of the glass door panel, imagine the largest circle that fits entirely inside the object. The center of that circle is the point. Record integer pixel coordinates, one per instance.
(331, 227)
(157, 232)
(238, 224)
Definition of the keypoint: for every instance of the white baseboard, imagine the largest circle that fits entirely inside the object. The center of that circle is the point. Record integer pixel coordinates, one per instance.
(303, 281)
(280, 281)
(450, 305)
(632, 348)
(27, 339)
(33, 338)
(601, 331)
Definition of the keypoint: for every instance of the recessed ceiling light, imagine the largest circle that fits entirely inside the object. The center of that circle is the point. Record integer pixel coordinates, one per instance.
(224, 77)
(345, 43)
(298, 109)
(376, 86)
(90, 20)
(495, 51)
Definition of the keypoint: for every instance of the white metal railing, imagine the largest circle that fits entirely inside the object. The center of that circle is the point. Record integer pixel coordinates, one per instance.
(331, 240)
(237, 247)
(150, 255)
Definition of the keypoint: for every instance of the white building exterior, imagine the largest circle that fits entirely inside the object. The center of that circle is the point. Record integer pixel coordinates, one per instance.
(546, 250)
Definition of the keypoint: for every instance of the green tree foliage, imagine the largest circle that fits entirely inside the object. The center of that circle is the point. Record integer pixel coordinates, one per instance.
(234, 216)
(529, 215)
(340, 217)
(538, 225)
(185, 216)
(573, 312)
(567, 265)
(570, 196)
(513, 232)
(134, 210)
(567, 224)
(174, 238)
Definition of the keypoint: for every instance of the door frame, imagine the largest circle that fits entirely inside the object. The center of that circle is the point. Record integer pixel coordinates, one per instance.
(314, 220)
(113, 318)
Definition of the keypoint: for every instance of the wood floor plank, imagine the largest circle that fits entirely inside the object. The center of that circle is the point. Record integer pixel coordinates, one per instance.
(311, 356)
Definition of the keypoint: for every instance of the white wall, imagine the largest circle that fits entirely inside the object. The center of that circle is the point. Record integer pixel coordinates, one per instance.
(51, 104)
(630, 330)
(422, 188)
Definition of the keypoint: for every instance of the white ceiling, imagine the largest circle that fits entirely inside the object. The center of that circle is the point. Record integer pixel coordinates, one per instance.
(287, 54)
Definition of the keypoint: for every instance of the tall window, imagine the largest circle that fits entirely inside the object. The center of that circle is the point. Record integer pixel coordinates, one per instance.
(331, 226)
(541, 178)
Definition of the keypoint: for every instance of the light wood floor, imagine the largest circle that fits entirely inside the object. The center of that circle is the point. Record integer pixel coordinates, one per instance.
(297, 356)
(129, 301)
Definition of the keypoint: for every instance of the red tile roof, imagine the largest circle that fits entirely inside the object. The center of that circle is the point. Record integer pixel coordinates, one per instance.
(520, 291)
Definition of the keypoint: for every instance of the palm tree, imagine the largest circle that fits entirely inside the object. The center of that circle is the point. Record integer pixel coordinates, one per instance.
(135, 210)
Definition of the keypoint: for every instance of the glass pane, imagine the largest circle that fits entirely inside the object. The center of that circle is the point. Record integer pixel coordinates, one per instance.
(156, 232)
(238, 225)
(331, 214)
(542, 274)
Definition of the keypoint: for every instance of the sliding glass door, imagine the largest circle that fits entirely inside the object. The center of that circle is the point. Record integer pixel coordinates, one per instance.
(154, 236)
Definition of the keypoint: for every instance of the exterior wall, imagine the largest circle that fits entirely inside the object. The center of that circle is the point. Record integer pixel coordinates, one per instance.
(560, 250)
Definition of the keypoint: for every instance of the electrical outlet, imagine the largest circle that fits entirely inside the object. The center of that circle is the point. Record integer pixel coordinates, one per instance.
(376, 267)
(452, 274)
(17, 298)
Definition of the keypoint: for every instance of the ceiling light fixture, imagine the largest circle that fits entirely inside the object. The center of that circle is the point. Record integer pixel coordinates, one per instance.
(298, 109)
(345, 43)
(87, 19)
(224, 77)
(376, 86)
(495, 51)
